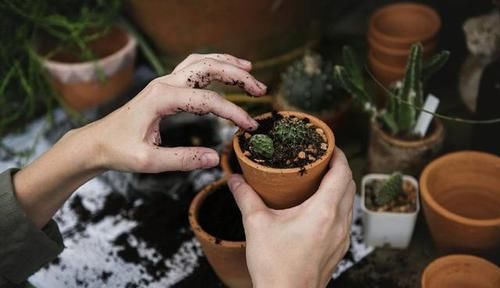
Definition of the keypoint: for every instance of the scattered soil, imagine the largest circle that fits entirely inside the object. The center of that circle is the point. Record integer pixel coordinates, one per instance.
(285, 155)
(405, 203)
(219, 216)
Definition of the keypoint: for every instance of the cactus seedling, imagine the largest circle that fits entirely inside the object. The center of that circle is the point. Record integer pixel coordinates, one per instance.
(308, 84)
(262, 145)
(390, 190)
(290, 130)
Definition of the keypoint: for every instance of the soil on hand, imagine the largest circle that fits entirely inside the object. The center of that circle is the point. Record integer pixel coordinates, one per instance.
(404, 203)
(219, 216)
(310, 149)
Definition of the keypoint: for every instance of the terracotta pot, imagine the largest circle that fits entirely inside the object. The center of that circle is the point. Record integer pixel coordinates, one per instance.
(228, 161)
(385, 74)
(461, 200)
(396, 58)
(461, 271)
(400, 25)
(333, 117)
(285, 188)
(227, 258)
(79, 83)
(387, 154)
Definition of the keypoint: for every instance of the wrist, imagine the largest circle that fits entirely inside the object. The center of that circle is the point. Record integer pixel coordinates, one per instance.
(86, 150)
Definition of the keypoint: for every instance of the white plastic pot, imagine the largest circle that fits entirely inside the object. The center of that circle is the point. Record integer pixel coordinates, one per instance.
(391, 229)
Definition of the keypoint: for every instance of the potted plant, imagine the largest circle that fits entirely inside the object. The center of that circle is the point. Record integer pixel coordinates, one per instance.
(394, 144)
(308, 86)
(216, 222)
(461, 201)
(461, 271)
(285, 159)
(390, 207)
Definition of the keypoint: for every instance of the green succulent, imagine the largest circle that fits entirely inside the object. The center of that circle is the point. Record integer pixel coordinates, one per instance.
(400, 115)
(390, 190)
(308, 83)
(261, 145)
(290, 130)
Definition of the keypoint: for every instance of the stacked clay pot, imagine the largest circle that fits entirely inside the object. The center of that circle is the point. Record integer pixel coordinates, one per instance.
(392, 30)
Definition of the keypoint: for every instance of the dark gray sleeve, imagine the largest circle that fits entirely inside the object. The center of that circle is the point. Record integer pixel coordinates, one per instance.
(24, 248)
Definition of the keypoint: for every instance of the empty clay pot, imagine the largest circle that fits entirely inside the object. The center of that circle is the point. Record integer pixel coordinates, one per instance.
(227, 258)
(461, 271)
(384, 74)
(396, 58)
(285, 188)
(398, 26)
(79, 83)
(460, 194)
(387, 153)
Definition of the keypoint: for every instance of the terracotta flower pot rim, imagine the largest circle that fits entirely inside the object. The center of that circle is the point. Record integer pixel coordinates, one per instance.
(224, 159)
(317, 122)
(370, 176)
(426, 195)
(131, 45)
(383, 66)
(431, 13)
(374, 44)
(193, 216)
(455, 258)
(436, 132)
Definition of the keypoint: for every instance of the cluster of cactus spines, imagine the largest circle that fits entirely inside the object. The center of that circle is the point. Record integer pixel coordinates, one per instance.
(390, 190)
(400, 114)
(290, 130)
(308, 83)
(261, 145)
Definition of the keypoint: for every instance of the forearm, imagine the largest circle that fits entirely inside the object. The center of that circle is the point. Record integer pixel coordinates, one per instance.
(43, 186)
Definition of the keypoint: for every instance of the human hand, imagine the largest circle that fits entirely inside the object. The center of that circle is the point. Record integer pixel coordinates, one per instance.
(300, 246)
(129, 137)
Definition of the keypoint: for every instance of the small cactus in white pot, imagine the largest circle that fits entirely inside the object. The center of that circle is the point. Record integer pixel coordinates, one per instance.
(390, 207)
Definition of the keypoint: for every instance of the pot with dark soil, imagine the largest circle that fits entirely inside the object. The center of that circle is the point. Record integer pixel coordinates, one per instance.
(285, 159)
(390, 208)
(216, 221)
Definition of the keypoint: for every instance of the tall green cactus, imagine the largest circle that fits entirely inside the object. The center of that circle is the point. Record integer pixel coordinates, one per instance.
(390, 190)
(400, 114)
(308, 84)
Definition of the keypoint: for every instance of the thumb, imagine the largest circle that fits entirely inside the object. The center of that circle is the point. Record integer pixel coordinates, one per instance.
(247, 199)
(184, 158)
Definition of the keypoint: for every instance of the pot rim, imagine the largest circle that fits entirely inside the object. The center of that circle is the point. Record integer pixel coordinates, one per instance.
(455, 258)
(383, 66)
(436, 132)
(376, 45)
(224, 159)
(317, 122)
(372, 176)
(433, 204)
(194, 208)
(127, 48)
(398, 8)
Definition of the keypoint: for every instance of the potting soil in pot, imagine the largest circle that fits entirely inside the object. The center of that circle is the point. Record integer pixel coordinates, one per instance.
(307, 144)
(220, 216)
(406, 202)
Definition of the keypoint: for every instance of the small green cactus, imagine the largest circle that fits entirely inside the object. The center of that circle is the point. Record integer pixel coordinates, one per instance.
(400, 114)
(308, 84)
(390, 190)
(290, 130)
(262, 145)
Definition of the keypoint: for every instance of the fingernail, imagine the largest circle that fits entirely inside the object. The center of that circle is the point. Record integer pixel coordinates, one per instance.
(245, 62)
(261, 85)
(253, 124)
(234, 182)
(209, 160)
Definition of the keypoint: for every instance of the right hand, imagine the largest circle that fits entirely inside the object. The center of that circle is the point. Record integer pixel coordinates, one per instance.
(300, 246)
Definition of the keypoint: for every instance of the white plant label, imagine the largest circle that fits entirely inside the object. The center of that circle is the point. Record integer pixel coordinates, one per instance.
(425, 118)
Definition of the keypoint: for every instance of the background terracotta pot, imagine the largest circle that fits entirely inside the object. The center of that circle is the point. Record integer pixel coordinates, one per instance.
(385, 74)
(79, 83)
(227, 258)
(460, 194)
(400, 25)
(284, 188)
(387, 154)
(461, 271)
